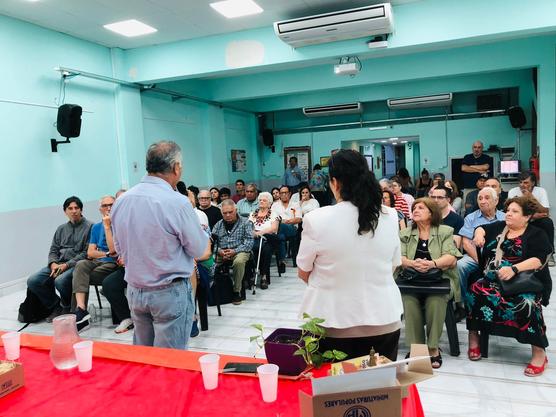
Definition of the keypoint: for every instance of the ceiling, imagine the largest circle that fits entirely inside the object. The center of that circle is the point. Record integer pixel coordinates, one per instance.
(174, 19)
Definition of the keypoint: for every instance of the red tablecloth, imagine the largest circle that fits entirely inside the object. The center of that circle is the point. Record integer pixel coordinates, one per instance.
(122, 388)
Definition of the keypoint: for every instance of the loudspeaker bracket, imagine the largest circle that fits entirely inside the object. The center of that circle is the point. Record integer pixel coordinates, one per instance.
(54, 143)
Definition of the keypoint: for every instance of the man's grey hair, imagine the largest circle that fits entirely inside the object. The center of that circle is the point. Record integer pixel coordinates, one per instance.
(204, 192)
(228, 202)
(252, 185)
(491, 191)
(385, 182)
(105, 196)
(162, 156)
(265, 195)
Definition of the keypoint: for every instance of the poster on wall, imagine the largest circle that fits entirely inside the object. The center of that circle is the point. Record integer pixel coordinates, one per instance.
(239, 160)
(303, 155)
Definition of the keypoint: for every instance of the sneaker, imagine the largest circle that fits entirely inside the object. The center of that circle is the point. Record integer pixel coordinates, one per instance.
(194, 330)
(58, 311)
(124, 326)
(551, 261)
(236, 299)
(82, 319)
(264, 284)
(282, 267)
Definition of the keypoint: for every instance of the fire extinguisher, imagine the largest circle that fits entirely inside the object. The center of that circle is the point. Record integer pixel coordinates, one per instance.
(534, 164)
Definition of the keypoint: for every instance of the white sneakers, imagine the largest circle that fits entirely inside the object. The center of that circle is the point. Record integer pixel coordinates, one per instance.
(124, 326)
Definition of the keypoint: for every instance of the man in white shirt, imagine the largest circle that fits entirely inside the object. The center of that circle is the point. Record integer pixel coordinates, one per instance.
(528, 187)
(290, 213)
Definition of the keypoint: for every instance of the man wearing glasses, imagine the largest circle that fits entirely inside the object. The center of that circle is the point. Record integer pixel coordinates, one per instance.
(213, 213)
(442, 195)
(101, 259)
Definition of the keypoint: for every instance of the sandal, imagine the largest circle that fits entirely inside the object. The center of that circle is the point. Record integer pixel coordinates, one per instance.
(436, 361)
(474, 354)
(532, 370)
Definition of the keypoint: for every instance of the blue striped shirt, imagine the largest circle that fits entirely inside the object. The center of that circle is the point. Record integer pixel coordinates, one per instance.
(157, 233)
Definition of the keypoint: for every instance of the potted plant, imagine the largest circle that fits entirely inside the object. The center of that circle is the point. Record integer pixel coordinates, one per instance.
(295, 349)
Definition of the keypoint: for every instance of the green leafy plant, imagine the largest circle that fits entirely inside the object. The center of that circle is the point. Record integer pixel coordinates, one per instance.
(308, 344)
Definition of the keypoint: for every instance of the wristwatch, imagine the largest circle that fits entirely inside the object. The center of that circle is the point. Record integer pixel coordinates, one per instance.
(108, 254)
(514, 268)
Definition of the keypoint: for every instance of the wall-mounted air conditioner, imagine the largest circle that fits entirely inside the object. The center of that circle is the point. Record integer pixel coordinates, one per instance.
(336, 26)
(348, 108)
(438, 100)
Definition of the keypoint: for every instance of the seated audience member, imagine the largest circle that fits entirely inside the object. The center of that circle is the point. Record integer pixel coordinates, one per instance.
(235, 241)
(471, 197)
(275, 194)
(455, 197)
(295, 196)
(205, 205)
(487, 213)
(225, 193)
(101, 260)
(438, 178)
(402, 200)
(290, 213)
(523, 247)
(189, 192)
(265, 226)
(240, 191)
(195, 190)
(385, 184)
(424, 182)
(318, 183)
(494, 183)
(214, 196)
(114, 288)
(405, 181)
(442, 196)
(69, 246)
(428, 244)
(388, 200)
(250, 203)
(528, 187)
(306, 200)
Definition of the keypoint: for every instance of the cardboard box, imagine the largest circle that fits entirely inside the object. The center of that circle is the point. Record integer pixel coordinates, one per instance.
(380, 402)
(11, 380)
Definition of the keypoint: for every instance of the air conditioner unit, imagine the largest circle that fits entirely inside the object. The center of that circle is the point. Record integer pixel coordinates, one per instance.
(348, 108)
(438, 100)
(336, 26)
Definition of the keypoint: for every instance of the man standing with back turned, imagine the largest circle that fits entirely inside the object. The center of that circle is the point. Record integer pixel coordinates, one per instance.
(157, 234)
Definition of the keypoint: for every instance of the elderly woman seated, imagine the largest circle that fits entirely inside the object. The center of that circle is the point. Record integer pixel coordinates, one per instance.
(521, 247)
(426, 245)
(265, 225)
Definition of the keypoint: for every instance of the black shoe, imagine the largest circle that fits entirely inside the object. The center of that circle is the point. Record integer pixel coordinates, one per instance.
(460, 313)
(82, 319)
(264, 284)
(84, 325)
(236, 299)
(194, 330)
(282, 267)
(58, 311)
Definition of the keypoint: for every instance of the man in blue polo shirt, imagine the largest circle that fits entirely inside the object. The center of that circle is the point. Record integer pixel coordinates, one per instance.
(487, 213)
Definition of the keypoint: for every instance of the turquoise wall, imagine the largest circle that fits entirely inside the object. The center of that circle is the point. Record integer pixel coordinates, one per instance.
(30, 174)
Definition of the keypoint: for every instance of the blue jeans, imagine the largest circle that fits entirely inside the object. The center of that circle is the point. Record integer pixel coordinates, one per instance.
(44, 286)
(163, 315)
(284, 232)
(466, 266)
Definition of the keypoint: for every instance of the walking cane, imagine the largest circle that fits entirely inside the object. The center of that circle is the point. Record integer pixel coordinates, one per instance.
(257, 270)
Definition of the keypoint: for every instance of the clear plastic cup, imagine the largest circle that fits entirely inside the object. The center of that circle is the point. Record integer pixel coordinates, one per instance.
(11, 341)
(84, 354)
(209, 368)
(268, 380)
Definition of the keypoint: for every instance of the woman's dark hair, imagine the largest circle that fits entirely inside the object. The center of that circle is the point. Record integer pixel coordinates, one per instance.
(436, 214)
(181, 188)
(403, 173)
(304, 187)
(317, 166)
(217, 190)
(392, 197)
(73, 199)
(358, 185)
(272, 191)
(424, 171)
(225, 190)
(529, 205)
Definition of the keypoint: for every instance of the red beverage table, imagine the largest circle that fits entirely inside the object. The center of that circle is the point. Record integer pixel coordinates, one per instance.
(152, 382)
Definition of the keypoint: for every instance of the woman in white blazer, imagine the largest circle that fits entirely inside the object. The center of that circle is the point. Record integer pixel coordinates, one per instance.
(347, 256)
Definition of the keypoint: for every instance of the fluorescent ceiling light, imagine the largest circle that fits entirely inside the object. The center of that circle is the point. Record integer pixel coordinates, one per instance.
(380, 127)
(393, 139)
(130, 28)
(403, 141)
(236, 8)
(384, 141)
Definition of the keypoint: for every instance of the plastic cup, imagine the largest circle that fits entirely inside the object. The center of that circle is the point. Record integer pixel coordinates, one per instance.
(268, 380)
(11, 345)
(209, 368)
(84, 355)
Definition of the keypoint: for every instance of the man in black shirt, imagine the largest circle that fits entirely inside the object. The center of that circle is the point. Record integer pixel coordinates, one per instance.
(475, 164)
(442, 195)
(213, 213)
(502, 195)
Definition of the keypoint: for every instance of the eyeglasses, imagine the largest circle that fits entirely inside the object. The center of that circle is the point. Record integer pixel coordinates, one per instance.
(106, 205)
(204, 198)
(437, 197)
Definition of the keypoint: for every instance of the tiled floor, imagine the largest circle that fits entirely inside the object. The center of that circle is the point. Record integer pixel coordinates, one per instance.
(491, 387)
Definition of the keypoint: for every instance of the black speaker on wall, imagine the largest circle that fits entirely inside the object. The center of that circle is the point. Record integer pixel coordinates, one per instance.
(268, 137)
(517, 117)
(69, 120)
